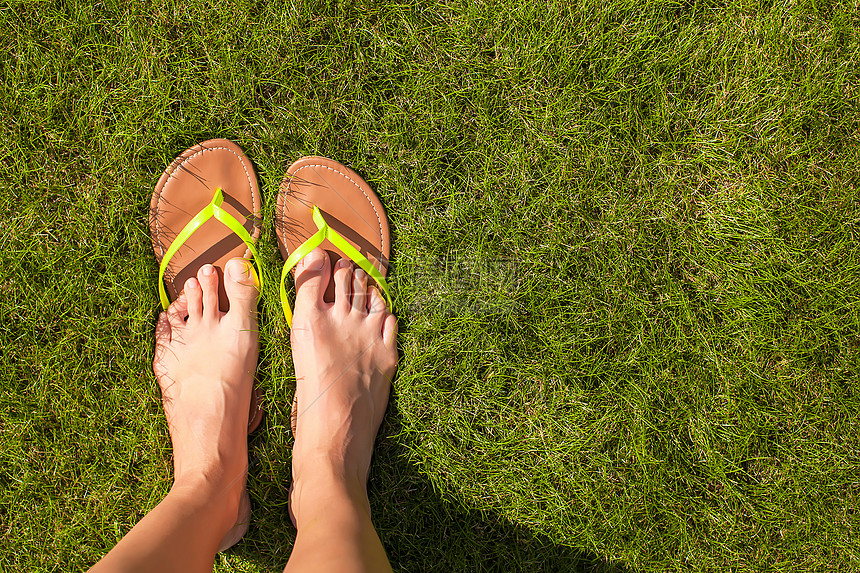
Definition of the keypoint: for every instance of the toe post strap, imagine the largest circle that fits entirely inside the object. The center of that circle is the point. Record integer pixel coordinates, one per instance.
(325, 232)
(213, 209)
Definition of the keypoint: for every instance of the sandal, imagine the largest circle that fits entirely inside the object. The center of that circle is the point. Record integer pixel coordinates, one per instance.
(322, 202)
(206, 209)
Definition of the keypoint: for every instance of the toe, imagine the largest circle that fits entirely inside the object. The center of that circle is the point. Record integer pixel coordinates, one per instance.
(208, 279)
(194, 296)
(240, 283)
(162, 330)
(342, 284)
(359, 291)
(312, 277)
(177, 312)
(375, 302)
(389, 331)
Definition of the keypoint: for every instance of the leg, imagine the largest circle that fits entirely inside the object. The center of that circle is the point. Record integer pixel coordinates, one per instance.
(345, 354)
(205, 367)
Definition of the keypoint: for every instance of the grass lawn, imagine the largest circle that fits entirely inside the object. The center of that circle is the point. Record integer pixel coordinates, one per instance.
(625, 262)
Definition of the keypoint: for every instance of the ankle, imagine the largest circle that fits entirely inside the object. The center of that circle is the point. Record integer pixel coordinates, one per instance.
(219, 505)
(202, 489)
(327, 484)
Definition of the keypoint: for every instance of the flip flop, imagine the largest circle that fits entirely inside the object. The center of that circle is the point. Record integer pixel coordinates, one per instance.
(324, 203)
(206, 209)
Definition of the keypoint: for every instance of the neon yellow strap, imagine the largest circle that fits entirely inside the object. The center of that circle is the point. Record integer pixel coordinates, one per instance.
(326, 232)
(213, 209)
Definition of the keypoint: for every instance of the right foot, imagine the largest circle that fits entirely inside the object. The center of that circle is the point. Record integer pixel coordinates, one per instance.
(345, 354)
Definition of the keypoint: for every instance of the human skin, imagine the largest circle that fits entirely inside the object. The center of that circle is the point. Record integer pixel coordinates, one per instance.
(344, 353)
(342, 386)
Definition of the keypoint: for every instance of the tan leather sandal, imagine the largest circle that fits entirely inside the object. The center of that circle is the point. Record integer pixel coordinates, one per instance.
(206, 208)
(324, 203)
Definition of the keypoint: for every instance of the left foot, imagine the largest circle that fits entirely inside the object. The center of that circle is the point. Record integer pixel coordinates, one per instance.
(205, 362)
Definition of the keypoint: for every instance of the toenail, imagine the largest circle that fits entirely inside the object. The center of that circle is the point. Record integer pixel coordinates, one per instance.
(208, 270)
(238, 269)
(359, 274)
(191, 284)
(315, 263)
(343, 263)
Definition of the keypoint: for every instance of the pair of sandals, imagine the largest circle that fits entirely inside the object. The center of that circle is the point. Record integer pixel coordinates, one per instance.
(206, 209)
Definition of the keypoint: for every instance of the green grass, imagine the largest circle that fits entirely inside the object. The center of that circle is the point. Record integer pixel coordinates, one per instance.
(624, 255)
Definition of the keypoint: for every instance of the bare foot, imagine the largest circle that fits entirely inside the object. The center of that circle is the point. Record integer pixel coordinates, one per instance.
(345, 354)
(205, 362)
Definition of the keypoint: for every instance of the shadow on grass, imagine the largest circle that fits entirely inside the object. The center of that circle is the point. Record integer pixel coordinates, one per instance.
(420, 530)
